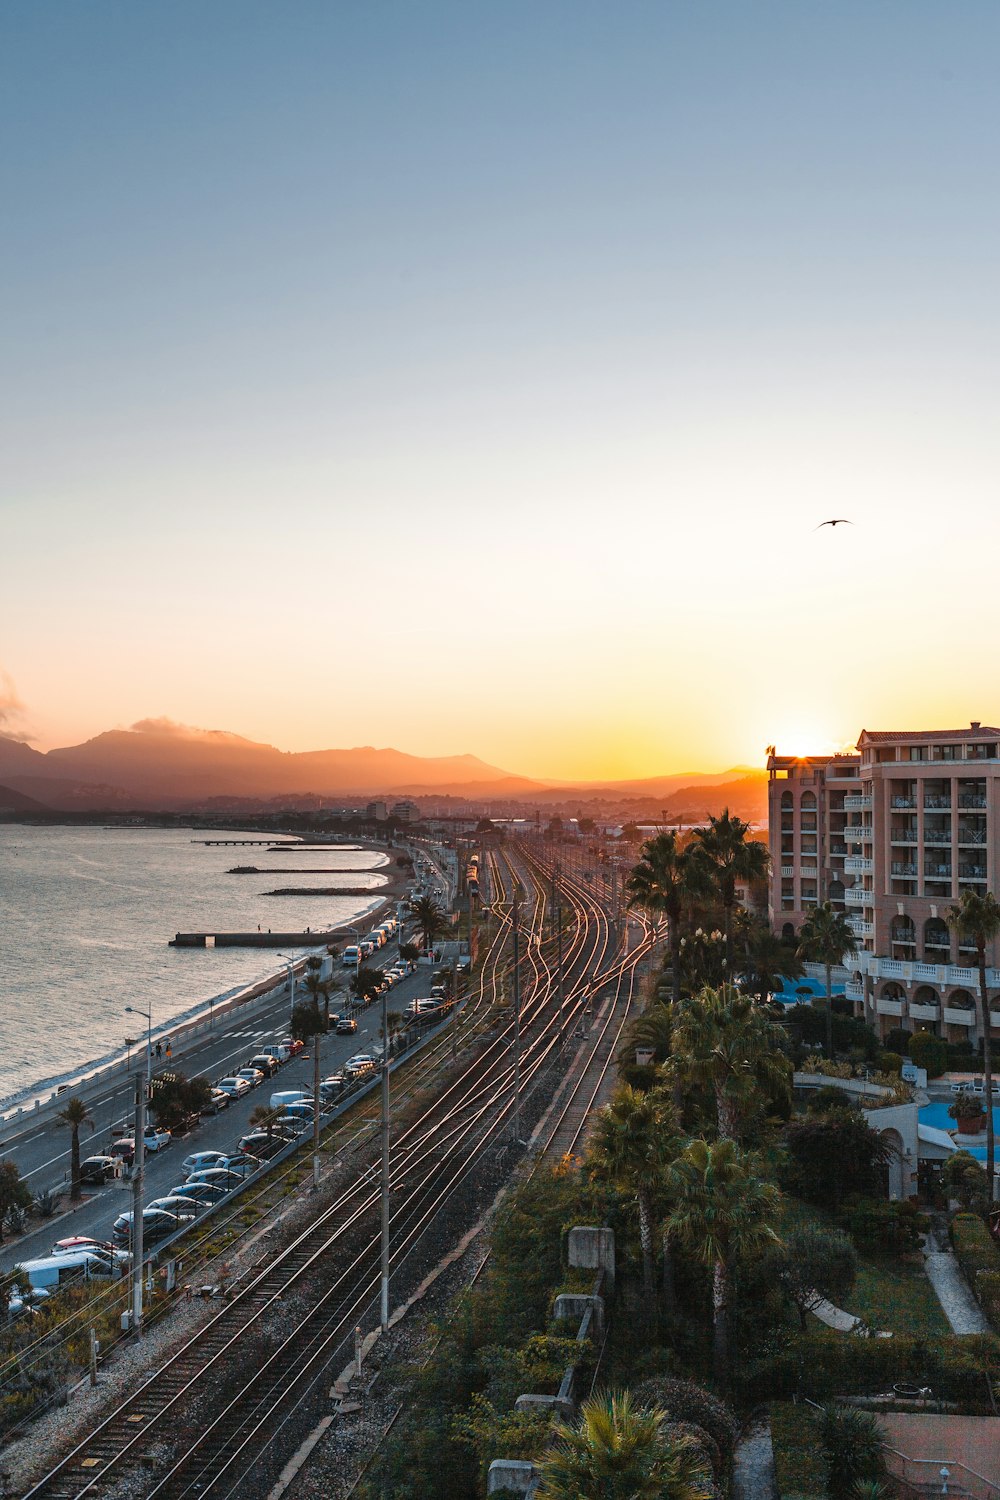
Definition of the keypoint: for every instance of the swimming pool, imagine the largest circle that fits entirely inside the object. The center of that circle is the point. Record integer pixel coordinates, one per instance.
(936, 1115)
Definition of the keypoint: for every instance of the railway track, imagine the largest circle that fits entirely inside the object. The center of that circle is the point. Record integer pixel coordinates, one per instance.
(333, 1265)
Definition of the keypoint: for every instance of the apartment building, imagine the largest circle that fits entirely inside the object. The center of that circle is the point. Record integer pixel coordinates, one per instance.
(809, 800)
(920, 825)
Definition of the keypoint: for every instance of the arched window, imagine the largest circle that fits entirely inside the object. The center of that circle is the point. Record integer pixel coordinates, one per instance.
(788, 933)
(926, 994)
(902, 930)
(937, 937)
(836, 890)
(787, 802)
(893, 991)
(961, 1000)
(808, 802)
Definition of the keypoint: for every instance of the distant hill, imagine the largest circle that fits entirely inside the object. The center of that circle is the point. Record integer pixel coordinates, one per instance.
(159, 764)
(12, 800)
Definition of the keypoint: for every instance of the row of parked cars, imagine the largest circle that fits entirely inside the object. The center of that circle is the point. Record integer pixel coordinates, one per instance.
(358, 953)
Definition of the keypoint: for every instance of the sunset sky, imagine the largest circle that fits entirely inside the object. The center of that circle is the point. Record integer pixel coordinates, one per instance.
(471, 377)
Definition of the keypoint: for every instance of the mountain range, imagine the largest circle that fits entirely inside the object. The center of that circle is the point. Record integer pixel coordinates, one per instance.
(158, 764)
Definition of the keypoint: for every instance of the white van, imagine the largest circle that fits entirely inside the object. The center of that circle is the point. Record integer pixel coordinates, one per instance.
(349, 958)
(57, 1271)
(284, 1097)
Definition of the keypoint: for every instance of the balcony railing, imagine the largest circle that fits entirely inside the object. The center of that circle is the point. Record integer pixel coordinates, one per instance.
(922, 1012)
(857, 802)
(903, 802)
(958, 1015)
(886, 1007)
(854, 989)
(858, 864)
(971, 835)
(937, 872)
(936, 803)
(903, 836)
(972, 799)
(904, 867)
(855, 895)
(903, 939)
(972, 872)
(937, 836)
(858, 833)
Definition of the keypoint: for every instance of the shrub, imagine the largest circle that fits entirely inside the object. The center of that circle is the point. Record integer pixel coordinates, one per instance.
(875, 1224)
(979, 1257)
(898, 1040)
(891, 1062)
(832, 1156)
(828, 1097)
(964, 1178)
(929, 1052)
(687, 1402)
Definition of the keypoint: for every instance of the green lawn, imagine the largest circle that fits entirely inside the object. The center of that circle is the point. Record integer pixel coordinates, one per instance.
(889, 1294)
(798, 1467)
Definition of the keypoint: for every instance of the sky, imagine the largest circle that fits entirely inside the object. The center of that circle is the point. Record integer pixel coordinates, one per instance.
(472, 377)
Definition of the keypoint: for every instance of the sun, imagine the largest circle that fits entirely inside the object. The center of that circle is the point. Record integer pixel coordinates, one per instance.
(802, 737)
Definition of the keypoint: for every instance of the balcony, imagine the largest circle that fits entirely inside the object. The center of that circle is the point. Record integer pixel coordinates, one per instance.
(971, 835)
(808, 868)
(972, 799)
(858, 802)
(858, 833)
(935, 803)
(937, 836)
(972, 872)
(924, 1012)
(856, 896)
(903, 803)
(859, 928)
(854, 990)
(838, 850)
(888, 1007)
(903, 869)
(903, 836)
(937, 871)
(787, 871)
(858, 864)
(958, 1015)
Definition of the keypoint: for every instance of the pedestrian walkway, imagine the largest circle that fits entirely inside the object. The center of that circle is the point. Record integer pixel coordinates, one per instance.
(954, 1293)
(753, 1465)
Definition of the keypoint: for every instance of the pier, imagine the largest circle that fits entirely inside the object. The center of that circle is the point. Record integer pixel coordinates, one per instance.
(242, 843)
(316, 870)
(255, 939)
(327, 890)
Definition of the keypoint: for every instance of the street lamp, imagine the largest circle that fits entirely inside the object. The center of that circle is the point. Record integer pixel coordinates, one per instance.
(290, 966)
(137, 1010)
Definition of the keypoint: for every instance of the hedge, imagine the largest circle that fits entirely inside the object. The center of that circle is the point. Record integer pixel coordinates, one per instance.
(828, 1364)
(979, 1256)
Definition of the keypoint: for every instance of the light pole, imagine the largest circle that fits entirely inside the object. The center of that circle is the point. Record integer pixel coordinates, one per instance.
(137, 1010)
(290, 966)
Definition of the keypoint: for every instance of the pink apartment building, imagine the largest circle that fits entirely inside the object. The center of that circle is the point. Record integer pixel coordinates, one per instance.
(893, 836)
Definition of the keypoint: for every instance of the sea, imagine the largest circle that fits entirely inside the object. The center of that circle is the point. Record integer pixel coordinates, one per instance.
(86, 915)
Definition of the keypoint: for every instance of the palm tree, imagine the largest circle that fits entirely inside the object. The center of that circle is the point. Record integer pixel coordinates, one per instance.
(733, 856)
(430, 919)
(621, 1451)
(722, 1210)
(826, 939)
(725, 1042)
(769, 960)
(629, 1149)
(318, 989)
(667, 880)
(75, 1114)
(977, 919)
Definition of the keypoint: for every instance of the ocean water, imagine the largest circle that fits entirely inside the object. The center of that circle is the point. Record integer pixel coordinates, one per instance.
(86, 915)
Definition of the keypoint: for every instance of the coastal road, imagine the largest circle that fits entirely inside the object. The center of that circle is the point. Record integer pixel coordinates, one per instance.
(41, 1147)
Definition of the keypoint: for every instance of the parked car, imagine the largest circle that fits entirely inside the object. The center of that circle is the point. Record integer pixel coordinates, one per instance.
(155, 1139)
(124, 1150)
(97, 1170)
(175, 1203)
(242, 1164)
(332, 1086)
(217, 1177)
(157, 1224)
(235, 1087)
(254, 1076)
(361, 1063)
(294, 1044)
(82, 1242)
(294, 1125)
(346, 1026)
(284, 1097)
(299, 1109)
(266, 1063)
(219, 1100)
(205, 1193)
(52, 1272)
(262, 1146)
(198, 1160)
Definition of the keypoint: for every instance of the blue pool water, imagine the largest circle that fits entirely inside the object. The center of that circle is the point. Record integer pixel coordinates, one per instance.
(936, 1115)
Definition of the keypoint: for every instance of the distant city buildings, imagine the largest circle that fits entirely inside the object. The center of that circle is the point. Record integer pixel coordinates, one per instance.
(892, 836)
(378, 811)
(406, 812)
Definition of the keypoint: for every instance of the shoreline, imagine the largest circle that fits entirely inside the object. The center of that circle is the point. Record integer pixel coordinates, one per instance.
(28, 1101)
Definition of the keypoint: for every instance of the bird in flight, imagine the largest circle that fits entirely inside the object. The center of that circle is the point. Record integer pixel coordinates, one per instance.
(840, 521)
